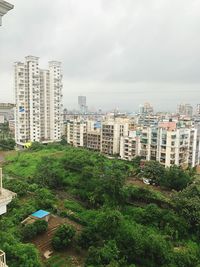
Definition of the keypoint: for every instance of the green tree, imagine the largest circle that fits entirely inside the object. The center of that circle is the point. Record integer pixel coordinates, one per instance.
(44, 198)
(29, 231)
(187, 204)
(49, 173)
(7, 144)
(41, 226)
(153, 171)
(18, 186)
(175, 178)
(103, 256)
(23, 255)
(63, 237)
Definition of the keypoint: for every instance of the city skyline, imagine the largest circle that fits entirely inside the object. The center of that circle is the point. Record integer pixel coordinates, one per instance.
(141, 56)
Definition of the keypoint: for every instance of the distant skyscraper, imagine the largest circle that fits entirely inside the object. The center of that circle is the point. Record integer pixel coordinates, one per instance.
(146, 109)
(198, 110)
(38, 97)
(82, 104)
(185, 109)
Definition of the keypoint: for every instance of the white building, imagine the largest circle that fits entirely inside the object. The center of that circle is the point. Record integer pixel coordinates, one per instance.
(5, 196)
(185, 109)
(74, 131)
(82, 104)
(4, 8)
(38, 98)
(167, 143)
(198, 110)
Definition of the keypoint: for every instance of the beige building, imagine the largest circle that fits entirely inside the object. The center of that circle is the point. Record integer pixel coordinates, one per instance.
(111, 132)
(92, 140)
(74, 131)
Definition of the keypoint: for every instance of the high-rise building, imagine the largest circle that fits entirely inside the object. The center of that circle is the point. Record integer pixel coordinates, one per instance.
(82, 104)
(38, 98)
(198, 110)
(146, 109)
(185, 109)
(5, 195)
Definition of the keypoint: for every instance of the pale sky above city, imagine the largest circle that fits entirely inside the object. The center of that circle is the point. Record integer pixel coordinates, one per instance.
(119, 53)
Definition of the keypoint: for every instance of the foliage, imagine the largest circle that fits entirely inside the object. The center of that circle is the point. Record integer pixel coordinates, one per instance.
(153, 171)
(122, 225)
(7, 144)
(136, 164)
(44, 198)
(29, 231)
(176, 178)
(36, 146)
(18, 186)
(103, 256)
(63, 237)
(187, 204)
(133, 193)
(49, 173)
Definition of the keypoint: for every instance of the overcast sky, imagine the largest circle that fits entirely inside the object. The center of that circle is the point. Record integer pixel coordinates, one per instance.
(119, 53)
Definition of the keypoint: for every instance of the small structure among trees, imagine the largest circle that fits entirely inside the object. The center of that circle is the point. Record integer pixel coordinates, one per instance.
(41, 215)
(38, 215)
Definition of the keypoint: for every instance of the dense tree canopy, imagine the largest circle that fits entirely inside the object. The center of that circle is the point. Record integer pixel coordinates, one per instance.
(120, 224)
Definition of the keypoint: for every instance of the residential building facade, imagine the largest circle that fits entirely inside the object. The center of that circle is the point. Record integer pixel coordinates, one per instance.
(38, 99)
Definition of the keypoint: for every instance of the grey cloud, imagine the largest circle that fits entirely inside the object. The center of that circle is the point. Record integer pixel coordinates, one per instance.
(117, 52)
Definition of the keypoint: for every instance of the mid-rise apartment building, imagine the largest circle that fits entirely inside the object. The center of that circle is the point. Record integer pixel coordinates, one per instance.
(7, 111)
(111, 132)
(38, 98)
(166, 143)
(92, 140)
(74, 131)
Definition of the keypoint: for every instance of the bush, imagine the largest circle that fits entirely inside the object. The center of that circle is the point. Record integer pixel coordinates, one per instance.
(63, 237)
(175, 178)
(29, 231)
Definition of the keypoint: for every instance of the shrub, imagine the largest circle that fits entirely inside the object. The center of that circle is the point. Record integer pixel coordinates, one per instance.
(29, 231)
(63, 237)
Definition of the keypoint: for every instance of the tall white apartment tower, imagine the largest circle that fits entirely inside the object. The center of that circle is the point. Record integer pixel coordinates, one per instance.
(38, 98)
(55, 100)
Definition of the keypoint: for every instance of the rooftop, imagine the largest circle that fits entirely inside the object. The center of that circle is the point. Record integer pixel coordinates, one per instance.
(40, 214)
(6, 195)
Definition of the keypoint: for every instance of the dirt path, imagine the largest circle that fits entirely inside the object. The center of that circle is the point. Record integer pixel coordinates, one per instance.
(137, 182)
(43, 242)
(4, 154)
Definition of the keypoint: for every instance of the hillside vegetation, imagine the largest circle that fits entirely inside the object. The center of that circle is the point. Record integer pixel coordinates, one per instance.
(122, 225)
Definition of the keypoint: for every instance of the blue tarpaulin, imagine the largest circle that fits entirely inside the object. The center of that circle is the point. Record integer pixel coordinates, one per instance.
(40, 214)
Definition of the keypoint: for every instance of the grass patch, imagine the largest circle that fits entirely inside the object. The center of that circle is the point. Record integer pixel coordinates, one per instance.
(24, 163)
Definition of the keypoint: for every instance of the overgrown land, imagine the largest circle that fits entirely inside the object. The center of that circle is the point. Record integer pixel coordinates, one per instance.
(104, 216)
